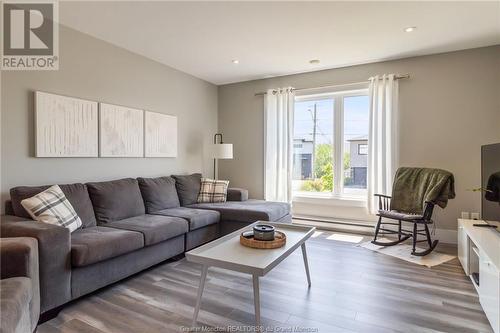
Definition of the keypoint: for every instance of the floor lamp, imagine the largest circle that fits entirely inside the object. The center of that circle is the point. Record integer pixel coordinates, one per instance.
(221, 151)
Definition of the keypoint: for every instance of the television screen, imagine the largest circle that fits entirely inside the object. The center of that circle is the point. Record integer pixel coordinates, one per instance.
(490, 182)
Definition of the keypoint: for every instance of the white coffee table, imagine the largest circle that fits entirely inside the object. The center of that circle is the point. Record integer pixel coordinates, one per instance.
(227, 252)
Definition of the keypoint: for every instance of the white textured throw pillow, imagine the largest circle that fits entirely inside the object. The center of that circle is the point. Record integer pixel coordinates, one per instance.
(51, 206)
(212, 190)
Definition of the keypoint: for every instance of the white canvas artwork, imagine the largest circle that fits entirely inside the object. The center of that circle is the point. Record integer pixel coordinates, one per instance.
(121, 131)
(160, 135)
(65, 126)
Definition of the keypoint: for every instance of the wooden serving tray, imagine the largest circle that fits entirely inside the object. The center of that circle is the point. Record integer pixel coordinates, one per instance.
(279, 241)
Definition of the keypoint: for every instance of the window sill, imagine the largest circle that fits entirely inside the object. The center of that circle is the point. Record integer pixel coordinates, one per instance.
(329, 199)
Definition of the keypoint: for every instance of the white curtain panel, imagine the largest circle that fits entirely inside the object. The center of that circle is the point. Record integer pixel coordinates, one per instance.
(383, 137)
(278, 144)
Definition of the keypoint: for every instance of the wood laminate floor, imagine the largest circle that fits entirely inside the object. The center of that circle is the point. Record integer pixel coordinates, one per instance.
(353, 290)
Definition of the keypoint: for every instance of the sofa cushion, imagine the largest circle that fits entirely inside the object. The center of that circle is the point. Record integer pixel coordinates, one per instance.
(158, 193)
(76, 194)
(248, 211)
(95, 244)
(15, 304)
(155, 228)
(197, 218)
(116, 200)
(188, 187)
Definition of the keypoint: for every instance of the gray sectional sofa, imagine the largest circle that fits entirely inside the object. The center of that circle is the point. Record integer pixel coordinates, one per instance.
(128, 225)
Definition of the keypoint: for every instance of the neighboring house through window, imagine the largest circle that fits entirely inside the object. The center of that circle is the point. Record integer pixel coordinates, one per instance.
(358, 147)
(330, 146)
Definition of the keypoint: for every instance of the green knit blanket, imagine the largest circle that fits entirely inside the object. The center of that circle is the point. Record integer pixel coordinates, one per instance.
(414, 186)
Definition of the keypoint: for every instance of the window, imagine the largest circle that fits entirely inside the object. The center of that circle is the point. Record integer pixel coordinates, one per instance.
(362, 149)
(330, 139)
(313, 146)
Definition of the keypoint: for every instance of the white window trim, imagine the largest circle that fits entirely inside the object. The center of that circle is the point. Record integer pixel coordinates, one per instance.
(338, 93)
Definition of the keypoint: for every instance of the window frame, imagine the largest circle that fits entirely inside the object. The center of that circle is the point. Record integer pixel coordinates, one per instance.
(337, 94)
(359, 151)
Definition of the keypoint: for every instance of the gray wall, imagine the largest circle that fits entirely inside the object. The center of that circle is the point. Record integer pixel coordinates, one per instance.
(96, 70)
(449, 108)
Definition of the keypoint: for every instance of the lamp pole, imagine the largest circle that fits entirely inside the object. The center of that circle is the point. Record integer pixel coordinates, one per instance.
(215, 142)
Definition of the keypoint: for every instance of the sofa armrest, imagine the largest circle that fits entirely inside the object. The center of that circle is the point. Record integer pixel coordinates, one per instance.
(54, 250)
(237, 194)
(19, 257)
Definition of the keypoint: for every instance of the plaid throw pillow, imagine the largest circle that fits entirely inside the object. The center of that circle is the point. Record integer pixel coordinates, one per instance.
(212, 190)
(51, 206)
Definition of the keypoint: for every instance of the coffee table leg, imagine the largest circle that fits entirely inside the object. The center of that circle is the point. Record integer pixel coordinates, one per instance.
(304, 255)
(200, 293)
(256, 300)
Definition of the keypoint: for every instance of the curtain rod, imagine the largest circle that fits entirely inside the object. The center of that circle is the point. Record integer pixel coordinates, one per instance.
(396, 77)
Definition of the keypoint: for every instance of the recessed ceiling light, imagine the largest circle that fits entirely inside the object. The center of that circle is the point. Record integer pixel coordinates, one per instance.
(235, 61)
(410, 29)
(314, 61)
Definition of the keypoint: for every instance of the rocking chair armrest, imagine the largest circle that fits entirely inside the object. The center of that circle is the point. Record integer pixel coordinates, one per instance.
(382, 195)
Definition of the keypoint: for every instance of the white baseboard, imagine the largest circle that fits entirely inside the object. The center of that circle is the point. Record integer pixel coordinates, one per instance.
(338, 226)
(367, 228)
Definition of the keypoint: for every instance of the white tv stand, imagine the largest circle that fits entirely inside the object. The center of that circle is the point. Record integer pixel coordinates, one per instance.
(479, 252)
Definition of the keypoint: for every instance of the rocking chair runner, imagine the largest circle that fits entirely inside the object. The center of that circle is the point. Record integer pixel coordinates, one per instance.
(434, 183)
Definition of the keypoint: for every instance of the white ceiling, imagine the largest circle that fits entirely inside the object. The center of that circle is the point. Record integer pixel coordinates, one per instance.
(279, 38)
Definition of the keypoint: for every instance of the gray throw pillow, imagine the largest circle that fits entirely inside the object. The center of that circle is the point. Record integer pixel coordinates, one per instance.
(158, 193)
(188, 187)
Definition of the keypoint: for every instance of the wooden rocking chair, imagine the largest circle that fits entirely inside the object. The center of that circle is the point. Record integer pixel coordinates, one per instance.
(384, 211)
(415, 193)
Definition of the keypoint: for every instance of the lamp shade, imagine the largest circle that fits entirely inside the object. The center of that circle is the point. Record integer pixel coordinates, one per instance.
(222, 150)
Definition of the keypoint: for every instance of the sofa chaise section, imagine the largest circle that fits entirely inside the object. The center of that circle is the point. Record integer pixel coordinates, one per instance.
(247, 211)
(237, 214)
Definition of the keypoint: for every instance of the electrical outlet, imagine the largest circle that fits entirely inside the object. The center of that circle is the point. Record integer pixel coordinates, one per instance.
(474, 216)
(465, 215)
